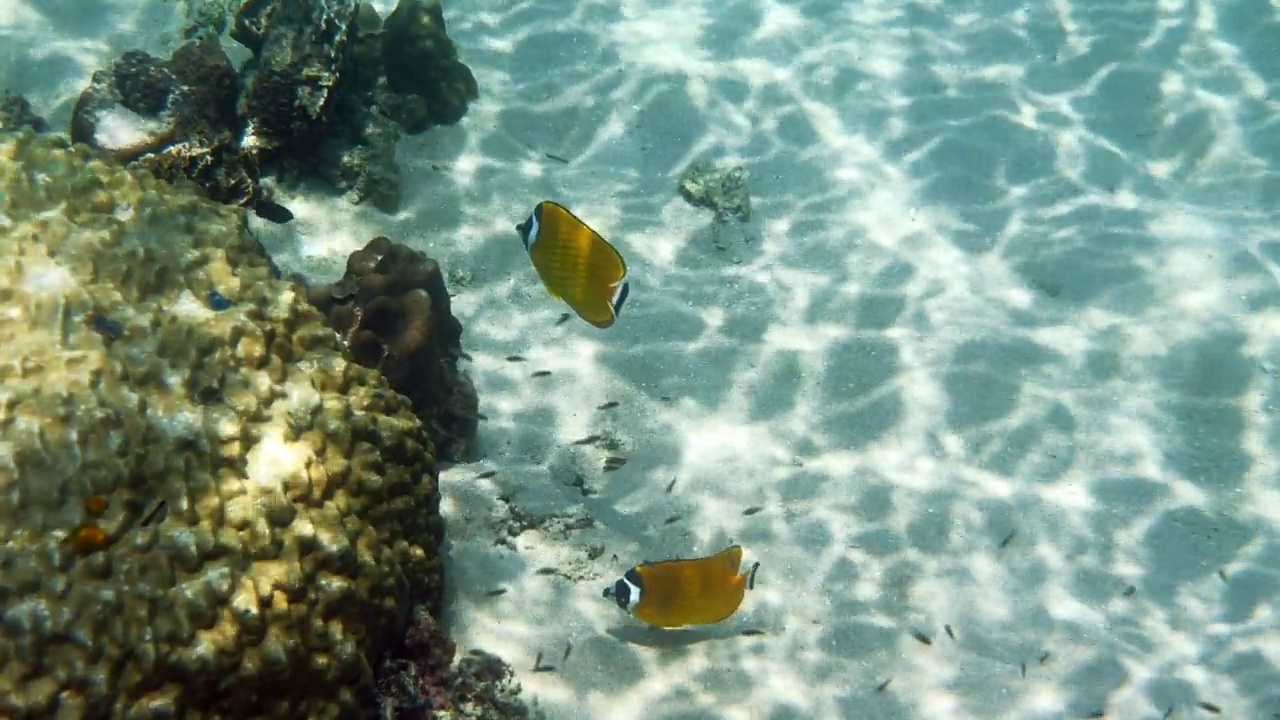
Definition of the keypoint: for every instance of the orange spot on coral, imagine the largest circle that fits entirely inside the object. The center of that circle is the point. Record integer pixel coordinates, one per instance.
(89, 539)
(95, 506)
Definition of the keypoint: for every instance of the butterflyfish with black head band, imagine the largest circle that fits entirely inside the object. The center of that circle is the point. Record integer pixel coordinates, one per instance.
(576, 264)
(678, 593)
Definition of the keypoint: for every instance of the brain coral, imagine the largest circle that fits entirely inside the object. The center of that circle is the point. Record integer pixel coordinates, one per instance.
(263, 511)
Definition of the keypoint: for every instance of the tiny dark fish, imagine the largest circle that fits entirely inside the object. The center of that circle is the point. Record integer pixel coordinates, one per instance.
(545, 668)
(752, 632)
(884, 685)
(1008, 539)
(608, 405)
(1167, 713)
(496, 592)
(665, 398)
(1209, 707)
(557, 158)
(515, 358)
(921, 637)
(272, 212)
(568, 648)
(564, 318)
(486, 474)
(671, 485)
(1096, 714)
(950, 634)
(546, 571)
(613, 462)
(217, 301)
(540, 373)
(752, 510)
(1044, 657)
(1023, 667)
(587, 440)
(673, 519)
(106, 327)
(1129, 591)
(1222, 573)
(153, 514)
(537, 661)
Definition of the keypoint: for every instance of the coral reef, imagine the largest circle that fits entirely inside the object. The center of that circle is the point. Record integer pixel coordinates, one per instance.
(16, 114)
(392, 309)
(176, 118)
(724, 191)
(427, 85)
(206, 509)
(422, 680)
(313, 99)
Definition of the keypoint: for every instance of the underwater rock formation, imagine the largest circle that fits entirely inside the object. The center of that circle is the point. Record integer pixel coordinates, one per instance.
(426, 83)
(423, 681)
(723, 191)
(393, 311)
(176, 118)
(16, 114)
(206, 509)
(313, 99)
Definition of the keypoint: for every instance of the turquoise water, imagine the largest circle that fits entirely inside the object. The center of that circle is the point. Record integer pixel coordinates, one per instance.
(997, 351)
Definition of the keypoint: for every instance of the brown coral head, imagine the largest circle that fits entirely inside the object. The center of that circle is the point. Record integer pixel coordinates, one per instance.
(367, 348)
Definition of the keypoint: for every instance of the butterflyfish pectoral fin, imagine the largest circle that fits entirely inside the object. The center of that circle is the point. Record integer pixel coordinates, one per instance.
(575, 263)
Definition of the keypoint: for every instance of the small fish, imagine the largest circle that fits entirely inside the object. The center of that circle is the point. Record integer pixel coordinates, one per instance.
(678, 593)
(107, 328)
(613, 462)
(673, 519)
(1008, 539)
(751, 632)
(575, 263)
(920, 636)
(272, 212)
(515, 358)
(557, 158)
(588, 440)
(496, 592)
(1209, 707)
(671, 485)
(545, 571)
(1023, 668)
(486, 474)
(950, 634)
(568, 648)
(564, 318)
(608, 405)
(540, 373)
(217, 301)
(155, 512)
(1129, 591)
(752, 510)
(884, 685)
(1044, 657)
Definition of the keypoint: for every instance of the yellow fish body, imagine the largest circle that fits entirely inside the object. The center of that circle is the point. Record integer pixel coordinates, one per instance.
(575, 263)
(676, 593)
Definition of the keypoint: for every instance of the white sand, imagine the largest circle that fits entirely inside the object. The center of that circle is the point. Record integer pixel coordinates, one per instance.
(1012, 272)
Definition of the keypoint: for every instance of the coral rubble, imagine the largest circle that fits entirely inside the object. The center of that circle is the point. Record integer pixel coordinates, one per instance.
(327, 90)
(392, 309)
(422, 680)
(724, 191)
(263, 511)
